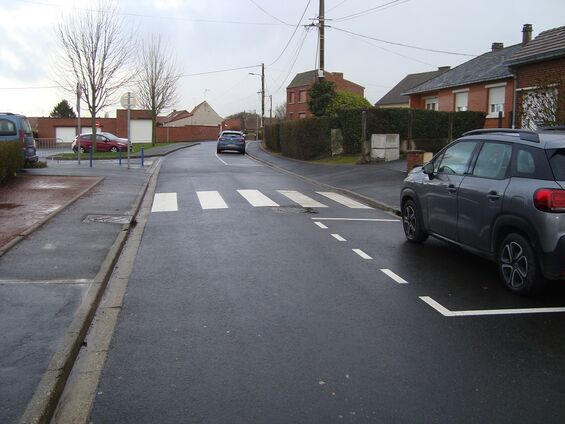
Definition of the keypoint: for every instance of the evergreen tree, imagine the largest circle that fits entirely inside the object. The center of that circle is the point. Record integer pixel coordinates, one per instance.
(62, 110)
(321, 96)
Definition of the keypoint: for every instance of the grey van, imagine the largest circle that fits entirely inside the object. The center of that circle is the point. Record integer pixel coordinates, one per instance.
(14, 127)
(497, 193)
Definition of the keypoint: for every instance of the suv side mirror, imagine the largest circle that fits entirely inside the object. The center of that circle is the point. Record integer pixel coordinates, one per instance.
(428, 169)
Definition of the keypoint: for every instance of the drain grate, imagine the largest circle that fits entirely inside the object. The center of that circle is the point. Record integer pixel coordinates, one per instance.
(294, 209)
(108, 219)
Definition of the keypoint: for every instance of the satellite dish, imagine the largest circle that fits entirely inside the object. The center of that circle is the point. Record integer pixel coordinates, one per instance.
(128, 100)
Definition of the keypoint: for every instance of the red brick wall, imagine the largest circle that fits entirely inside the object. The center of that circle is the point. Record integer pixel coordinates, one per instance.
(531, 75)
(477, 101)
(186, 133)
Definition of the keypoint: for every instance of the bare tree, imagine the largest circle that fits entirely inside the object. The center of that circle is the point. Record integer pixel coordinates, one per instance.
(280, 112)
(158, 77)
(96, 49)
(544, 104)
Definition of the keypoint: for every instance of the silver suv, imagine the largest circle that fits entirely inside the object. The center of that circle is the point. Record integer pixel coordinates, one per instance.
(498, 193)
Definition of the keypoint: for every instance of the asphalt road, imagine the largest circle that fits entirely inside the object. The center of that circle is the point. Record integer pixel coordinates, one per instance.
(282, 314)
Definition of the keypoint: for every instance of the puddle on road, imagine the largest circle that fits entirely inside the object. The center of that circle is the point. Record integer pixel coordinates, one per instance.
(43, 185)
(8, 206)
(293, 209)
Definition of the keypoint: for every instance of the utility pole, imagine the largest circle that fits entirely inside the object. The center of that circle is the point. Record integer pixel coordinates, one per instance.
(271, 109)
(321, 27)
(262, 93)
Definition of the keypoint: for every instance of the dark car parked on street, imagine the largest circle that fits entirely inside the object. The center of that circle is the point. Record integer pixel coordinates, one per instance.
(14, 127)
(497, 193)
(231, 140)
(105, 142)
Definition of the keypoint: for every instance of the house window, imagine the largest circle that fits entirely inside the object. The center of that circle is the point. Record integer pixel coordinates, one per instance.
(461, 101)
(302, 96)
(291, 116)
(291, 97)
(495, 101)
(432, 103)
(301, 115)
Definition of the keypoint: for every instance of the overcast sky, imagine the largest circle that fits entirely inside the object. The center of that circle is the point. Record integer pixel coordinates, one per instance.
(209, 36)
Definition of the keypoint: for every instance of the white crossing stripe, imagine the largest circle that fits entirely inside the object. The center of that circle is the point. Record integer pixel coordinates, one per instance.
(346, 201)
(322, 226)
(256, 198)
(301, 199)
(361, 253)
(165, 202)
(338, 237)
(211, 200)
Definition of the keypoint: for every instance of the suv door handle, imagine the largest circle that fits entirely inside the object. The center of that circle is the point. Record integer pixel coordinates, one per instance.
(493, 195)
(451, 189)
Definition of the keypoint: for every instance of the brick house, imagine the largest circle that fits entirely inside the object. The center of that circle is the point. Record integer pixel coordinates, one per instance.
(539, 65)
(297, 97)
(394, 98)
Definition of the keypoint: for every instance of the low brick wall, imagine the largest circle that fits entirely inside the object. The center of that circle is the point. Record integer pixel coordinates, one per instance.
(414, 158)
(186, 133)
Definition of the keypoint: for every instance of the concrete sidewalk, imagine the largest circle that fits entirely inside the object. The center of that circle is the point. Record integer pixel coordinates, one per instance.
(378, 184)
(54, 268)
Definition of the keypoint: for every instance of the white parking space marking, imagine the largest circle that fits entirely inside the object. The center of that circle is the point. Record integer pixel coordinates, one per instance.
(256, 198)
(338, 237)
(361, 253)
(395, 277)
(358, 219)
(322, 226)
(301, 199)
(447, 313)
(165, 202)
(346, 201)
(211, 200)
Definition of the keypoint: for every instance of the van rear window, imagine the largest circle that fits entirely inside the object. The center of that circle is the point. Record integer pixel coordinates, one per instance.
(557, 162)
(7, 127)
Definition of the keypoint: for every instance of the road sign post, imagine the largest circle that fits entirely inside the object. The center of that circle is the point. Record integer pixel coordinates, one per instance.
(128, 101)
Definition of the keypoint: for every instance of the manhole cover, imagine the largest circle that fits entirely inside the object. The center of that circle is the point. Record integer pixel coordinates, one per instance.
(7, 206)
(108, 219)
(293, 209)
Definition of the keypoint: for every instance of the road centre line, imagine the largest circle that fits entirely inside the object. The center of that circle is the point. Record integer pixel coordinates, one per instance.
(395, 277)
(338, 237)
(357, 219)
(221, 160)
(322, 226)
(361, 253)
(165, 202)
(520, 311)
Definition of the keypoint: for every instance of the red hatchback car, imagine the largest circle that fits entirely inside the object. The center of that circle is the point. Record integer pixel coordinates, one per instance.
(105, 142)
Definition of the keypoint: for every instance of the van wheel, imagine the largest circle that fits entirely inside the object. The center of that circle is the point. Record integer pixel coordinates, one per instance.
(412, 222)
(517, 265)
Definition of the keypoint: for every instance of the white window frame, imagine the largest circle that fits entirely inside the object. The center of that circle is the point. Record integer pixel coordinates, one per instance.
(291, 98)
(460, 105)
(495, 103)
(431, 103)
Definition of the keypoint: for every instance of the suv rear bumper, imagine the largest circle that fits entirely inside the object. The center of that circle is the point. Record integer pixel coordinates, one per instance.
(553, 263)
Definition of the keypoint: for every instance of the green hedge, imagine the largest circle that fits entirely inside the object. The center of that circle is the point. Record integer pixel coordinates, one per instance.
(11, 158)
(303, 139)
(425, 125)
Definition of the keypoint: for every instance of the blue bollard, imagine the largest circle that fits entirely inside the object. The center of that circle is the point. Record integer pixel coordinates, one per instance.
(142, 156)
(120, 155)
(90, 156)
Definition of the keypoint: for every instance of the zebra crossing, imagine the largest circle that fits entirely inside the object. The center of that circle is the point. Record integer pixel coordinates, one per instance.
(213, 200)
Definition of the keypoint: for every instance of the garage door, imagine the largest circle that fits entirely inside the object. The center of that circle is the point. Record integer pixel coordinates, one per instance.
(141, 130)
(65, 134)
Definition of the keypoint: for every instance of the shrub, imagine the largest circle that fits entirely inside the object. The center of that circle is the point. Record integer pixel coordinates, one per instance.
(11, 158)
(272, 138)
(306, 139)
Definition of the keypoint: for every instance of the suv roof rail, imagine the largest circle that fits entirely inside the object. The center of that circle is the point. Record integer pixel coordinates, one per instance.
(527, 135)
(553, 128)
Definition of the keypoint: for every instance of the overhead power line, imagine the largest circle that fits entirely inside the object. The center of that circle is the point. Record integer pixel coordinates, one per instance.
(336, 6)
(293, 34)
(269, 14)
(371, 10)
(402, 44)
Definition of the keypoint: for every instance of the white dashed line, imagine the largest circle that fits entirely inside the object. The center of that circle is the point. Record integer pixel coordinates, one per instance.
(361, 253)
(301, 199)
(338, 237)
(211, 200)
(256, 198)
(322, 226)
(395, 277)
(447, 313)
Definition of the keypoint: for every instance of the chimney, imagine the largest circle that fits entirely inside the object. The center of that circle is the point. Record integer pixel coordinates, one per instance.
(338, 75)
(497, 46)
(526, 34)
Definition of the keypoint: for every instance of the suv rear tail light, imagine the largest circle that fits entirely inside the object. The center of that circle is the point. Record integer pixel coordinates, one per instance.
(22, 135)
(548, 200)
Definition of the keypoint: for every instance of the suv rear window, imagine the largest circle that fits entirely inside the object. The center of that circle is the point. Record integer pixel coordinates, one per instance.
(557, 162)
(7, 127)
